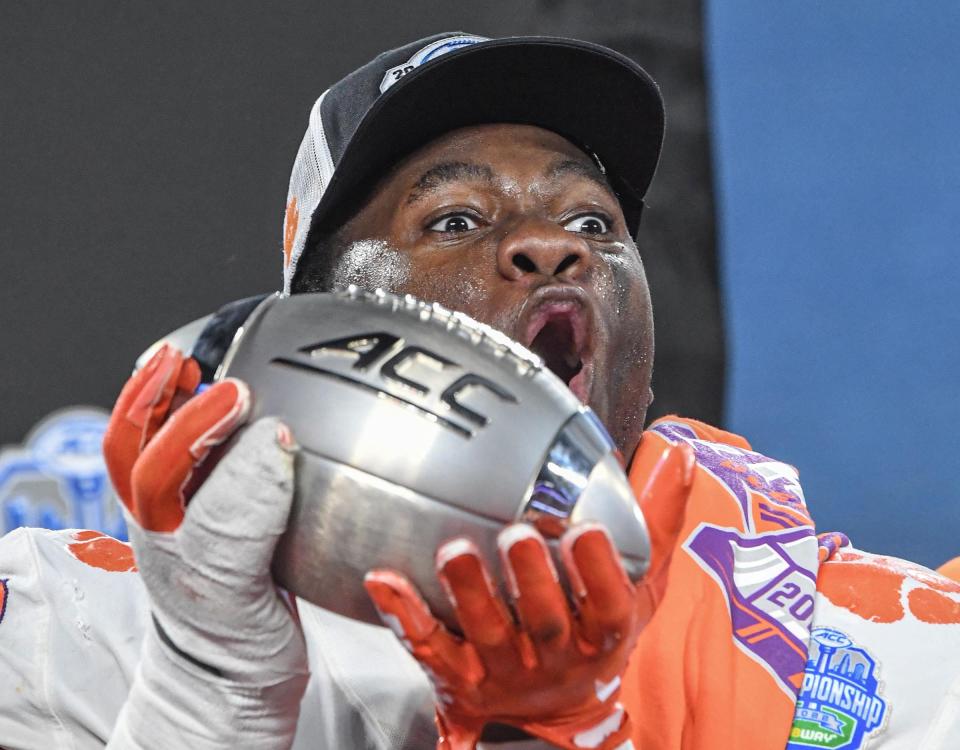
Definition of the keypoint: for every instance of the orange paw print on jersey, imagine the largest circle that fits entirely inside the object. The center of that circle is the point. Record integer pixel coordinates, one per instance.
(98, 550)
(881, 589)
(3, 598)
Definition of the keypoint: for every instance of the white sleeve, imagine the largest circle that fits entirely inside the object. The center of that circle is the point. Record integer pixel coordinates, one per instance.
(71, 622)
(884, 661)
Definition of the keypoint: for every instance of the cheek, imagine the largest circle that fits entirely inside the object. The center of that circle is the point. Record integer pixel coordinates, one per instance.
(446, 278)
(630, 366)
(461, 288)
(623, 285)
(624, 288)
(373, 264)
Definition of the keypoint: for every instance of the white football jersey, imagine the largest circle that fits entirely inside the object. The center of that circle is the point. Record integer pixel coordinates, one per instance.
(73, 613)
(882, 671)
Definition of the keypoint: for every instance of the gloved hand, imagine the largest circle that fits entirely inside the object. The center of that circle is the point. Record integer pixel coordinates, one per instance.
(554, 672)
(224, 663)
(662, 495)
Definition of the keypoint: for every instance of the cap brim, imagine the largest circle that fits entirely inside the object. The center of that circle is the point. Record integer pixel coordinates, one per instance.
(597, 98)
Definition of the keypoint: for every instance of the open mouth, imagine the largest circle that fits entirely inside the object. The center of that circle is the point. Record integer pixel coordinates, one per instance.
(558, 334)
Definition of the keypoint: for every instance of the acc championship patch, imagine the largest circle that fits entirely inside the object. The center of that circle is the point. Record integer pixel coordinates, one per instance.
(839, 705)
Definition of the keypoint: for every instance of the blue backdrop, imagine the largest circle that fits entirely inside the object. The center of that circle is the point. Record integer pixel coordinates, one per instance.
(838, 173)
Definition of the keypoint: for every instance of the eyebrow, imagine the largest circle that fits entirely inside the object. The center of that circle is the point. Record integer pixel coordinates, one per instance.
(454, 171)
(579, 168)
(450, 171)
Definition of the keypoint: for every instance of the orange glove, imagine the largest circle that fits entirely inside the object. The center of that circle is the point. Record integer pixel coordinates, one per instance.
(142, 407)
(555, 670)
(225, 662)
(662, 496)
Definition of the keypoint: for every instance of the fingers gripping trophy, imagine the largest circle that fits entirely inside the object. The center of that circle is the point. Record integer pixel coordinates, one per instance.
(422, 431)
(417, 469)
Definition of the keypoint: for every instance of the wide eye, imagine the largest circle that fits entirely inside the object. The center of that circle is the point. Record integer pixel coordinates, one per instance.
(588, 224)
(453, 224)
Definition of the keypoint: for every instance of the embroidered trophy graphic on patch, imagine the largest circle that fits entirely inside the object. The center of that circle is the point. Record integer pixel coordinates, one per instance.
(839, 705)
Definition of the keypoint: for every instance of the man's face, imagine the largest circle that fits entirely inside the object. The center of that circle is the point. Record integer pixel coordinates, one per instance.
(516, 227)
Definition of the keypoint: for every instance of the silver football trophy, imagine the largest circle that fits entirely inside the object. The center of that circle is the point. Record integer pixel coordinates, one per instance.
(418, 424)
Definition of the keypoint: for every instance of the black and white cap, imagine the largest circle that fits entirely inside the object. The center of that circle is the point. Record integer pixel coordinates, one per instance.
(598, 99)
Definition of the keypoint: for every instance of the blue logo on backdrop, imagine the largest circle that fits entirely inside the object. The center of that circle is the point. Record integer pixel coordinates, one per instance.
(839, 705)
(58, 479)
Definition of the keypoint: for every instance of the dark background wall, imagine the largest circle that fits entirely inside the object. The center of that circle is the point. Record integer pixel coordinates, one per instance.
(146, 148)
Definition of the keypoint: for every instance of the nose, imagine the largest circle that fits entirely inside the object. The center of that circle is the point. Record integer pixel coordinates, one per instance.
(542, 247)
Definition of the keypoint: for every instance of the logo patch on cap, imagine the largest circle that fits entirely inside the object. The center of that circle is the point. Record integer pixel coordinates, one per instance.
(428, 53)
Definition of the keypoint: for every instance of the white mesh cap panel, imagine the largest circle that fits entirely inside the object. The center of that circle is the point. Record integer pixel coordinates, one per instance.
(314, 165)
(311, 174)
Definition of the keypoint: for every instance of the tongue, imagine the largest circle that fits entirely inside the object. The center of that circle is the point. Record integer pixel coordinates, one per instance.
(554, 344)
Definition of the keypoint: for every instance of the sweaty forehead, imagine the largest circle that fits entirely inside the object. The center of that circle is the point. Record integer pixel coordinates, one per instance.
(495, 156)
